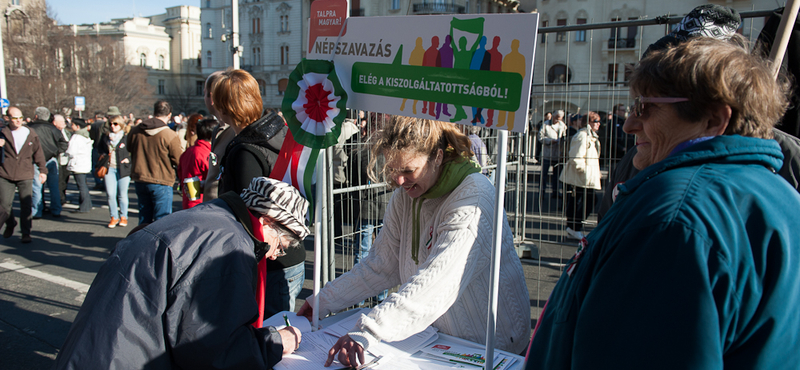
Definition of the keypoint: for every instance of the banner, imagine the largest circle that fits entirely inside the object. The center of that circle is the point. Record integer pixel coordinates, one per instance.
(467, 69)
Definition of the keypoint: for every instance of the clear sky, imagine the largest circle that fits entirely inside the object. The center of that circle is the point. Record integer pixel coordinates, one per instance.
(96, 11)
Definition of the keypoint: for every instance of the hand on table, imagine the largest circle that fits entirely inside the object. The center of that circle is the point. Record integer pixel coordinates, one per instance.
(349, 351)
(290, 337)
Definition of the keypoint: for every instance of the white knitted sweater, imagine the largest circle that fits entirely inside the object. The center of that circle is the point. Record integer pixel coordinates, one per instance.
(449, 289)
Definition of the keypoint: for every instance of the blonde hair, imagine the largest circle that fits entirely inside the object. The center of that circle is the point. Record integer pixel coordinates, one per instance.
(408, 135)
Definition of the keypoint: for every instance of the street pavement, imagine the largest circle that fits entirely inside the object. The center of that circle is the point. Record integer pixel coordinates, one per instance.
(43, 284)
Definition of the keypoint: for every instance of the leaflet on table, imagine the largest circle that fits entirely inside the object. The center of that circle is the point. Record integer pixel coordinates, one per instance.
(463, 355)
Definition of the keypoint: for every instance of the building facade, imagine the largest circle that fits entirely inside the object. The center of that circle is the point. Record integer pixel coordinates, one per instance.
(168, 45)
(588, 69)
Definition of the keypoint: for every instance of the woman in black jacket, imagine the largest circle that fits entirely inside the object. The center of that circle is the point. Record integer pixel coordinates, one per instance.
(252, 153)
(118, 177)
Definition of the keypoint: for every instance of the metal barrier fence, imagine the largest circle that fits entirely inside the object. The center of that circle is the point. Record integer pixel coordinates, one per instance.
(536, 213)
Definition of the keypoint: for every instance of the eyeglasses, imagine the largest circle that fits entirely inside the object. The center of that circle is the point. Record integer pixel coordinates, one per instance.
(640, 101)
(18, 118)
(281, 248)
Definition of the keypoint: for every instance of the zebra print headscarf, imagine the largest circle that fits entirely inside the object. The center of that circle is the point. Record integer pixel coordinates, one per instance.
(278, 200)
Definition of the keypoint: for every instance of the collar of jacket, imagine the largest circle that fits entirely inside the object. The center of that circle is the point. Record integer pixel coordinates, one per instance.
(260, 131)
(152, 123)
(239, 209)
(724, 149)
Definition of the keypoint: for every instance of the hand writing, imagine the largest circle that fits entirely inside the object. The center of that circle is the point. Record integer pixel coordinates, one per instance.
(290, 337)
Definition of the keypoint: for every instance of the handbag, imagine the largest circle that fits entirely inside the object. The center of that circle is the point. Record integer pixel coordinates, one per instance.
(102, 166)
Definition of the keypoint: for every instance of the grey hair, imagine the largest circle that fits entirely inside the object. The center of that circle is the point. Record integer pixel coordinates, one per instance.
(42, 113)
(560, 113)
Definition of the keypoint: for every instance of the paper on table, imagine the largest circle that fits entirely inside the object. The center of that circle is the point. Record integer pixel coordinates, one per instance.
(408, 346)
(299, 322)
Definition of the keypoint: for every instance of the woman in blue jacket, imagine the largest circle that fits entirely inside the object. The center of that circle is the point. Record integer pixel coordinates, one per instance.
(695, 264)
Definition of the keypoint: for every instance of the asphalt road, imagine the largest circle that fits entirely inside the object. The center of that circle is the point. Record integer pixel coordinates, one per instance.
(43, 284)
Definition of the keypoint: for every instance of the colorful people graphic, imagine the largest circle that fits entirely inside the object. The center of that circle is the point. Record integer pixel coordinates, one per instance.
(431, 59)
(496, 64)
(463, 55)
(513, 62)
(416, 59)
(446, 61)
(480, 61)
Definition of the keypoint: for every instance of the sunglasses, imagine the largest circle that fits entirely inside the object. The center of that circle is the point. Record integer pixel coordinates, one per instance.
(114, 124)
(20, 117)
(640, 101)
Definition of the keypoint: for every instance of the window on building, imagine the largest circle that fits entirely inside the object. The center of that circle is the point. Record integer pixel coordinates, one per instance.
(209, 33)
(198, 87)
(208, 58)
(284, 23)
(284, 54)
(616, 34)
(161, 62)
(580, 36)
(630, 42)
(143, 60)
(559, 74)
(262, 87)
(256, 56)
(543, 36)
(162, 87)
(561, 36)
(282, 83)
(256, 25)
(208, 3)
(14, 2)
(613, 73)
(395, 4)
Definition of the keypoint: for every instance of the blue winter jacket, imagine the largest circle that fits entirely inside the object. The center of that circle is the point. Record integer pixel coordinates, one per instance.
(694, 267)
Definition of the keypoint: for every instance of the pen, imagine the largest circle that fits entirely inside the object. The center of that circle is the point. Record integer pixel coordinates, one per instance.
(286, 319)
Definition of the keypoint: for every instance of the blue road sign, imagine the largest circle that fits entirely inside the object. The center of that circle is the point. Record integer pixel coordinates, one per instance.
(4, 103)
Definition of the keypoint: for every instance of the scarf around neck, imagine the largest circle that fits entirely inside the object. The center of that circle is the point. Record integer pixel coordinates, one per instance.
(115, 137)
(453, 173)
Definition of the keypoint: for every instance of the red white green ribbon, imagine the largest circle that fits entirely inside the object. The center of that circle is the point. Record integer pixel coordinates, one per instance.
(314, 107)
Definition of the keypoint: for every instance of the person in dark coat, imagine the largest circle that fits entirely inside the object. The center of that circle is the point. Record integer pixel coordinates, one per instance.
(53, 144)
(253, 153)
(180, 292)
(21, 150)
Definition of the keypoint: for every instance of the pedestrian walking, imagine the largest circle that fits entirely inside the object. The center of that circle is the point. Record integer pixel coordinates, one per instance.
(117, 178)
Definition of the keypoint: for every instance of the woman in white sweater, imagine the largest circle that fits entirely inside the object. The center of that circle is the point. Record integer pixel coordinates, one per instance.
(436, 244)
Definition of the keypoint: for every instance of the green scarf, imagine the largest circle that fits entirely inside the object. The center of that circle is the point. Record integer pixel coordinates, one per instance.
(83, 132)
(453, 173)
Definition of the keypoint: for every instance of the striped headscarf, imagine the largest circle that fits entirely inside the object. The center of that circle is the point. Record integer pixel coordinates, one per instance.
(278, 200)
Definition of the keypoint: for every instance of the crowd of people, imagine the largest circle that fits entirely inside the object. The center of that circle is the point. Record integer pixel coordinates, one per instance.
(112, 148)
(690, 266)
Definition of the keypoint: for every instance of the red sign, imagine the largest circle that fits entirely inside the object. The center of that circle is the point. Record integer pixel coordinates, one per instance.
(327, 19)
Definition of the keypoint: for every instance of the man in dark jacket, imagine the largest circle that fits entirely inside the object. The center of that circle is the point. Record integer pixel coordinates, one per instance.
(53, 143)
(21, 149)
(155, 151)
(179, 293)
